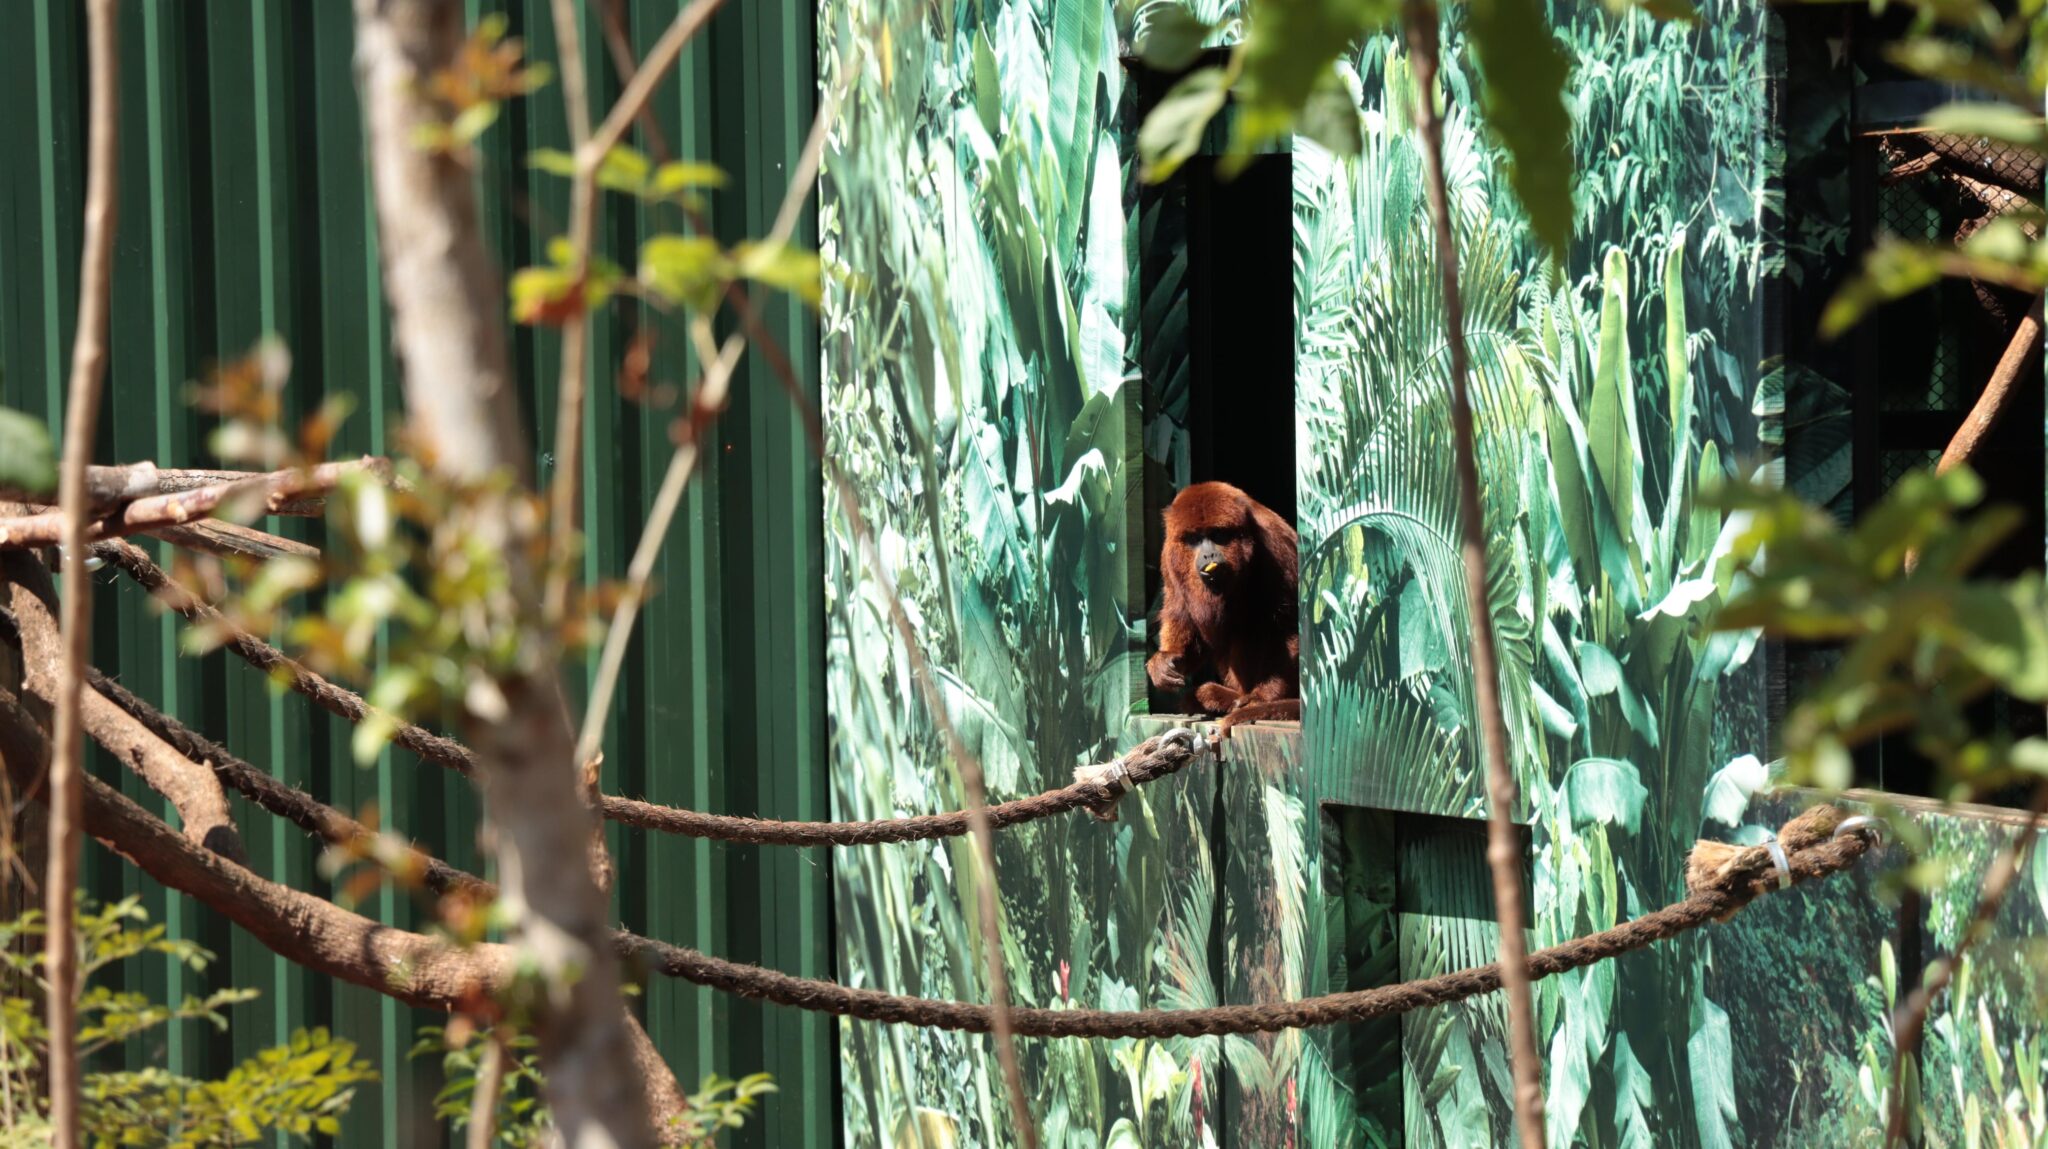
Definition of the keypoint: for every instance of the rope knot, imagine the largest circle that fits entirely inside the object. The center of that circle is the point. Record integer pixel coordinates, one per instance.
(1121, 775)
(1739, 873)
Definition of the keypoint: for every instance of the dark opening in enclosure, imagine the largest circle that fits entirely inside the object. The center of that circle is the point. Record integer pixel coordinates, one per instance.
(1215, 254)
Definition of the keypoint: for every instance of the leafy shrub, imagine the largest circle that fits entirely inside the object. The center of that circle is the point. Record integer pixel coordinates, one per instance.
(301, 1088)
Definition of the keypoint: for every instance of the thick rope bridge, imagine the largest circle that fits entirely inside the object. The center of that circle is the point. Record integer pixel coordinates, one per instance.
(1722, 880)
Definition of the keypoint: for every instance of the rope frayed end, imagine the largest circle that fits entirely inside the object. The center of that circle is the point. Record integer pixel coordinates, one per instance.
(1748, 870)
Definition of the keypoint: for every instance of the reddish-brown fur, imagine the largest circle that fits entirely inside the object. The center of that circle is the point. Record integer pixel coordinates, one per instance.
(1239, 625)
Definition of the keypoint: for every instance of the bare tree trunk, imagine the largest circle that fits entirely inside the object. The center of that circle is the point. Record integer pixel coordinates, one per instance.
(1503, 852)
(81, 419)
(447, 306)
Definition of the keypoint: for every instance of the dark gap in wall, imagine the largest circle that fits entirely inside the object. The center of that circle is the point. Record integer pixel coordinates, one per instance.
(1919, 364)
(1241, 327)
(1216, 334)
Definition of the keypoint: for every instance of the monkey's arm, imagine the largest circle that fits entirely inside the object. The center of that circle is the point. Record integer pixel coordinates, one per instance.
(1180, 651)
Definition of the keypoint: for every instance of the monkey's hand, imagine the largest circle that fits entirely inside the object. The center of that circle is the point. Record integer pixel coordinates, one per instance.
(1166, 672)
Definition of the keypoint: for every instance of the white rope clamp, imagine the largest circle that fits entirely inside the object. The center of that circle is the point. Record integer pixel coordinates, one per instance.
(1861, 823)
(1778, 859)
(1119, 776)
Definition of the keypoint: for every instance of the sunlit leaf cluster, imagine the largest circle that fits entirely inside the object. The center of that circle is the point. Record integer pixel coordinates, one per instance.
(687, 268)
(521, 1120)
(300, 1089)
(469, 91)
(1920, 638)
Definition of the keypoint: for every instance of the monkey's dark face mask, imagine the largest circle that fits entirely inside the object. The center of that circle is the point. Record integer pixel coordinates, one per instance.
(1220, 558)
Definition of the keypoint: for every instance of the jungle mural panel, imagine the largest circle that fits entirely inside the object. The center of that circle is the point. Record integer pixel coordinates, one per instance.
(1608, 388)
(1005, 382)
(981, 392)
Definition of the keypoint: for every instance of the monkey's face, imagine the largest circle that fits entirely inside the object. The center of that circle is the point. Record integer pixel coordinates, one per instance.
(1222, 553)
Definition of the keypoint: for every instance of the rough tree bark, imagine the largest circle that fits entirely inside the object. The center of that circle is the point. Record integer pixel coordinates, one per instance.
(193, 791)
(447, 306)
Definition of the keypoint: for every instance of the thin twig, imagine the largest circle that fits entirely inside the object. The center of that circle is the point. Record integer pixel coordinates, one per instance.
(1911, 1020)
(618, 41)
(649, 75)
(568, 467)
(682, 464)
(706, 404)
(81, 421)
(1503, 853)
(483, 1106)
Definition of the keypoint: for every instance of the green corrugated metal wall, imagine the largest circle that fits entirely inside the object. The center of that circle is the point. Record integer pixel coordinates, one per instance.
(245, 210)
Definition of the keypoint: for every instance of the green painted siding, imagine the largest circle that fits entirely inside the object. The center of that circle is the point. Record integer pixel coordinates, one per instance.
(245, 209)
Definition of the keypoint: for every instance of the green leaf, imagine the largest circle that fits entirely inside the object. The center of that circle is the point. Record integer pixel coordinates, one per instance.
(779, 265)
(1525, 70)
(625, 169)
(1729, 790)
(1710, 1051)
(551, 160)
(1173, 38)
(1635, 1095)
(1607, 791)
(1331, 118)
(28, 459)
(474, 121)
(1894, 269)
(988, 86)
(1173, 132)
(690, 269)
(1616, 445)
(687, 175)
(1289, 51)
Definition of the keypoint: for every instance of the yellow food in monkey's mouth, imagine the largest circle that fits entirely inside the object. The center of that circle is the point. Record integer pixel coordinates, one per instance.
(1211, 568)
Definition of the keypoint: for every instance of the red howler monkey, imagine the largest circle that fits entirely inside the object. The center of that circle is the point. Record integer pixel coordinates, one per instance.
(1230, 568)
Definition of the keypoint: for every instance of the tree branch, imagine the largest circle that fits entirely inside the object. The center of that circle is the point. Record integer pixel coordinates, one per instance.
(272, 492)
(1983, 416)
(304, 930)
(108, 487)
(569, 385)
(81, 421)
(1503, 852)
(449, 335)
(195, 793)
(232, 540)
